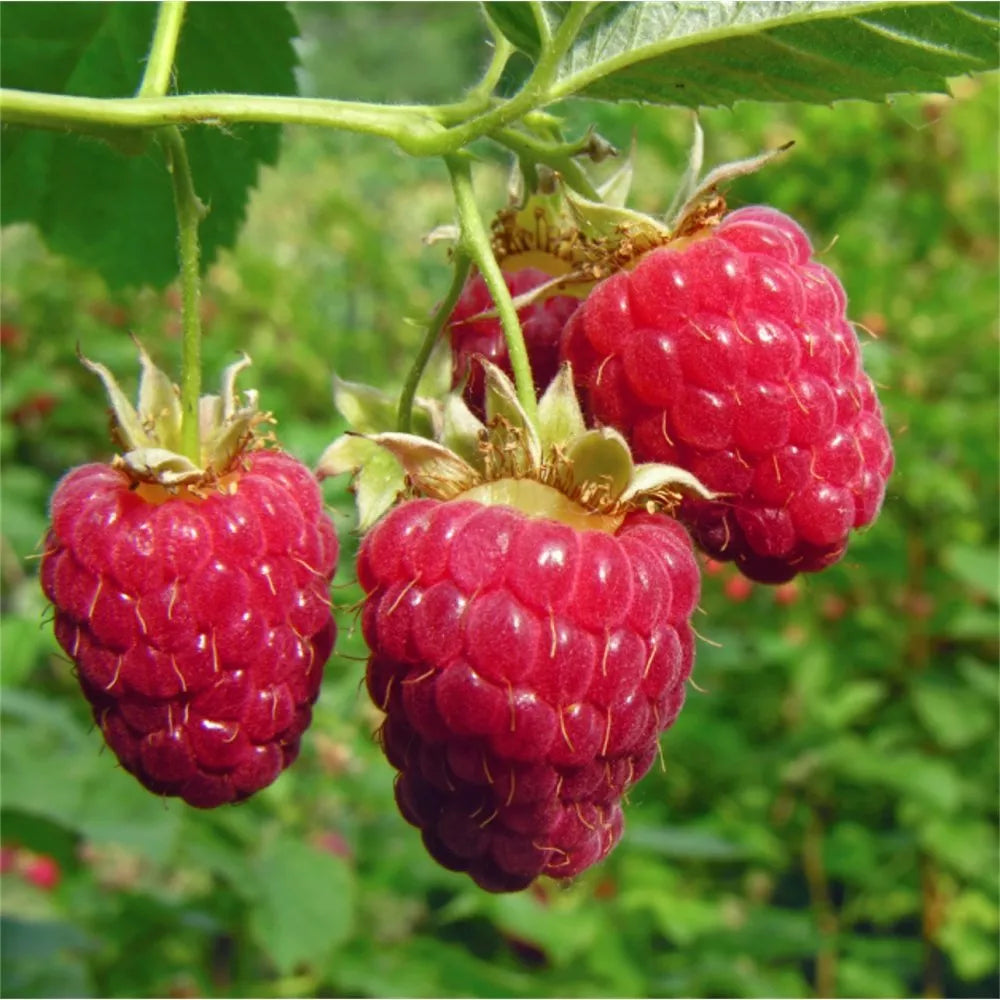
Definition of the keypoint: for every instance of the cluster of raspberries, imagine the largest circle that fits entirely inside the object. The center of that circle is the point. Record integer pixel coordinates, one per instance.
(526, 667)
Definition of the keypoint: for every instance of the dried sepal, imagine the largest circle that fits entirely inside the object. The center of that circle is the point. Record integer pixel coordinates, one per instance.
(504, 414)
(651, 481)
(431, 468)
(149, 434)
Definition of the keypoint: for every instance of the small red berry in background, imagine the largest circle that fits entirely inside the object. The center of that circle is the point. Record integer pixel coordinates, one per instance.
(473, 340)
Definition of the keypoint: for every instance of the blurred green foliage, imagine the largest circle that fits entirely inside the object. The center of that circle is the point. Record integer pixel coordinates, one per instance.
(825, 820)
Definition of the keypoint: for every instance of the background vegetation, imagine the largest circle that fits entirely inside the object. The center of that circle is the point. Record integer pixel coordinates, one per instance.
(825, 820)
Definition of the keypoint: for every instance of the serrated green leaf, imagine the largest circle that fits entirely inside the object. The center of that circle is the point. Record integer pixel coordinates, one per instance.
(697, 54)
(115, 212)
(305, 904)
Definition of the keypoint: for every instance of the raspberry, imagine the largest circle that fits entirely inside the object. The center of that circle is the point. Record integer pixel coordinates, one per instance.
(541, 324)
(526, 669)
(199, 624)
(732, 357)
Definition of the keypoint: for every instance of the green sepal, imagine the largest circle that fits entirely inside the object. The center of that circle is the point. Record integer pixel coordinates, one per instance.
(368, 410)
(501, 402)
(560, 418)
(601, 457)
(599, 220)
(716, 176)
(159, 402)
(463, 430)
(378, 480)
(615, 190)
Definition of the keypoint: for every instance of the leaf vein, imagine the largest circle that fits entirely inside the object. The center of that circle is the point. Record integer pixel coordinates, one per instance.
(913, 41)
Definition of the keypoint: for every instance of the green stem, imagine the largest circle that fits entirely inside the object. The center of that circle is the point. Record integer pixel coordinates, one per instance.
(189, 213)
(417, 129)
(541, 23)
(532, 95)
(404, 421)
(97, 116)
(476, 243)
(160, 62)
(480, 96)
(557, 156)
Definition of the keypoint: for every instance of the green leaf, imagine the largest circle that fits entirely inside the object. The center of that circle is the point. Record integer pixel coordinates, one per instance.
(955, 716)
(55, 769)
(115, 212)
(305, 903)
(697, 55)
(45, 959)
(977, 568)
(685, 842)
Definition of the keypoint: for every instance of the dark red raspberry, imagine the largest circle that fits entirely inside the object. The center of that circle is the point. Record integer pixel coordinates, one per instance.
(526, 670)
(199, 626)
(731, 356)
(541, 324)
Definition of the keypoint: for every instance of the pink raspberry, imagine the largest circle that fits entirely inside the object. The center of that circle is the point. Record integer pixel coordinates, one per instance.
(199, 624)
(541, 324)
(526, 670)
(731, 355)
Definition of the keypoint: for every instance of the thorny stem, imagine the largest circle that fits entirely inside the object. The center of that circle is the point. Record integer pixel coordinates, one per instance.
(476, 244)
(160, 63)
(189, 213)
(404, 420)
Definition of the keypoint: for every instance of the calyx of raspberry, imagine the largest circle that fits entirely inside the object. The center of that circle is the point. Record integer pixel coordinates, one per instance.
(149, 433)
(581, 242)
(556, 469)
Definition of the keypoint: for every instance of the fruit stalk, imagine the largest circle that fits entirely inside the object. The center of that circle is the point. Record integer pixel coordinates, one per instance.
(404, 419)
(476, 243)
(189, 212)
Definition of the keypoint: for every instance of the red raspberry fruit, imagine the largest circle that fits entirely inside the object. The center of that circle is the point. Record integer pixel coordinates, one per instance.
(199, 625)
(541, 324)
(526, 669)
(730, 355)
